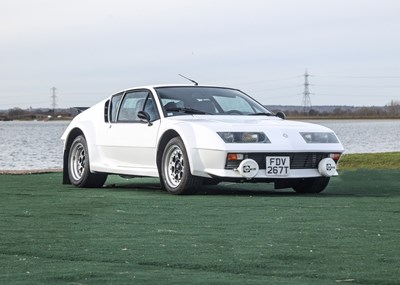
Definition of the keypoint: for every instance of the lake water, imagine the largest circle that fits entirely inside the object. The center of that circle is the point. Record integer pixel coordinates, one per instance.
(37, 145)
(31, 145)
(366, 136)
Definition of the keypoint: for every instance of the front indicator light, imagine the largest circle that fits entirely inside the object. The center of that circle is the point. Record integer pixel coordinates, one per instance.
(235, 156)
(335, 156)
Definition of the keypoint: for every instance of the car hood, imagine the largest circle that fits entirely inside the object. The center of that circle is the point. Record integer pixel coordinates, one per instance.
(243, 123)
(283, 134)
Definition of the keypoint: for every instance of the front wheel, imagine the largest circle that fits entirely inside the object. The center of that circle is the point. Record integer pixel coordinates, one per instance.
(310, 185)
(175, 169)
(78, 166)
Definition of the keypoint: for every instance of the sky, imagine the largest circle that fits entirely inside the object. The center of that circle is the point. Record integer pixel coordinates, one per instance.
(90, 49)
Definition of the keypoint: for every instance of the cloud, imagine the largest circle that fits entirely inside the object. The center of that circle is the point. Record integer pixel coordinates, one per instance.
(104, 46)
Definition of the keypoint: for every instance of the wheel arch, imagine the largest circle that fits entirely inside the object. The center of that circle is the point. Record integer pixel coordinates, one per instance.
(194, 136)
(166, 137)
(73, 134)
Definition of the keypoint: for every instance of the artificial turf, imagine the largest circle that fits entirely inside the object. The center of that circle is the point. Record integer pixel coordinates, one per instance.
(131, 232)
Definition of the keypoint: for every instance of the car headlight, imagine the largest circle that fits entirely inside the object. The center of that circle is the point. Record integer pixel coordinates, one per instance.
(244, 137)
(319, 137)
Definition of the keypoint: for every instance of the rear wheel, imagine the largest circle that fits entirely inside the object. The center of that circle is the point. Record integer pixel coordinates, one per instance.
(78, 166)
(310, 185)
(175, 169)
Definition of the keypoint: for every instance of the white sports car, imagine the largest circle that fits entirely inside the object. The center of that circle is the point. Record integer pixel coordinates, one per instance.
(189, 136)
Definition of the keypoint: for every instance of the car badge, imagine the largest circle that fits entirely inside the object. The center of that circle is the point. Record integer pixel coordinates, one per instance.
(285, 135)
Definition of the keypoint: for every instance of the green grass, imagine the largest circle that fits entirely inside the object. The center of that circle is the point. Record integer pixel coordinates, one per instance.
(387, 160)
(132, 233)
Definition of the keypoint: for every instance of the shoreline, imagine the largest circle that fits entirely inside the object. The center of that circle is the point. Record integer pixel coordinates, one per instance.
(31, 171)
(386, 160)
(328, 117)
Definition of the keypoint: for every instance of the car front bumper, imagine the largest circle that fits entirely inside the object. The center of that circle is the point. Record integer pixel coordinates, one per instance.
(213, 163)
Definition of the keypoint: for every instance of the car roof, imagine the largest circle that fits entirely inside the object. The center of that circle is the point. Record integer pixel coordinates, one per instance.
(168, 85)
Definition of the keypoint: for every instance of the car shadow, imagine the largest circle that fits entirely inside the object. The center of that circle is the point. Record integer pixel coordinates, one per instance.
(360, 183)
(237, 189)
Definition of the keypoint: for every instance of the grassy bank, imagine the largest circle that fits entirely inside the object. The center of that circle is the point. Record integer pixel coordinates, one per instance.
(130, 232)
(387, 160)
(332, 117)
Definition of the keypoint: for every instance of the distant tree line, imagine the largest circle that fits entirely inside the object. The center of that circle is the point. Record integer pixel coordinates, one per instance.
(390, 110)
(35, 114)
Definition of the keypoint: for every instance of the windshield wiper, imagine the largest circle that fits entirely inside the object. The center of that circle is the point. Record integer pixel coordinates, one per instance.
(261, 114)
(187, 111)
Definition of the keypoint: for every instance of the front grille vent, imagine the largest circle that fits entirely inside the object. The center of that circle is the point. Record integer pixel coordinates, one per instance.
(299, 160)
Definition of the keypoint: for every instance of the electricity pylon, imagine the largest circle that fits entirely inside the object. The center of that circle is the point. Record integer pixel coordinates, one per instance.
(306, 94)
(54, 98)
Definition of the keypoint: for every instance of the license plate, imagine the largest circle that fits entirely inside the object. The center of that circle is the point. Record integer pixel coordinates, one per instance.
(278, 165)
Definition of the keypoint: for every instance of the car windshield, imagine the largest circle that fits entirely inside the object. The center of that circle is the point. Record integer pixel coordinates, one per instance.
(208, 101)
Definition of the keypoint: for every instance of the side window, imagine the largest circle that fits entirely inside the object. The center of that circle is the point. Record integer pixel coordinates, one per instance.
(170, 104)
(150, 108)
(114, 107)
(131, 104)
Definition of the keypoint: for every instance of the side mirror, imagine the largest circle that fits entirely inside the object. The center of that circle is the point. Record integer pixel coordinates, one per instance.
(144, 117)
(281, 115)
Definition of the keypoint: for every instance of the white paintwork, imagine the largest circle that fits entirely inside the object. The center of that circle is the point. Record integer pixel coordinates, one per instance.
(131, 148)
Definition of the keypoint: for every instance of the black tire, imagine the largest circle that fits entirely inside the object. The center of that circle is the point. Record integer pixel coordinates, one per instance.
(310, 185)
(79, 168)
(175, 169)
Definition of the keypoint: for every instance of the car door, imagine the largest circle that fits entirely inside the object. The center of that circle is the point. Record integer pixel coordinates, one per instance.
(130, 144)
